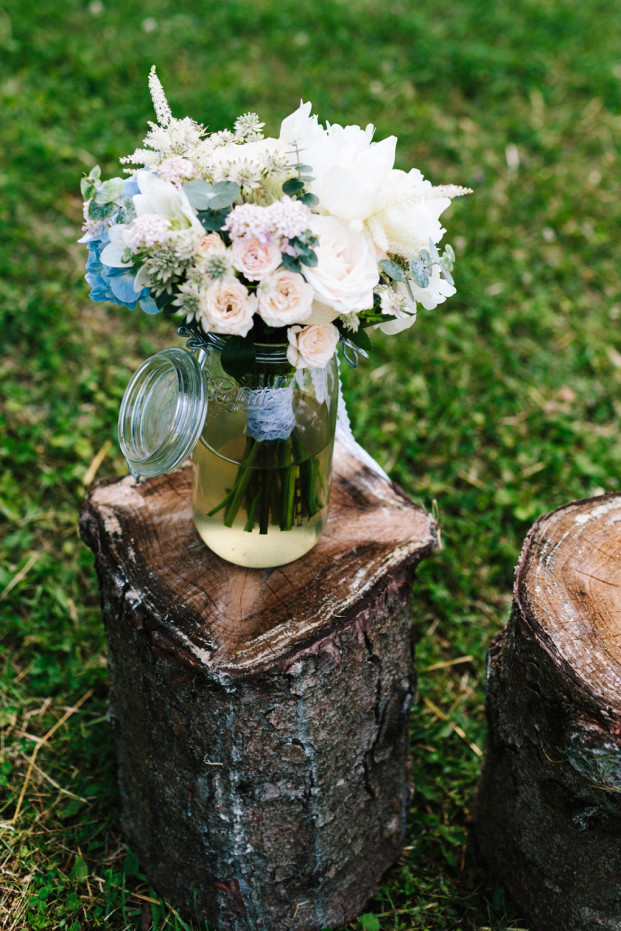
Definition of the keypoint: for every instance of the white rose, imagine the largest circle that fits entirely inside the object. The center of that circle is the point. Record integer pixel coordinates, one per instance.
(227, 307)
(347, 271)
(312, 346)
(255, 259)
(284, 297)
(259, 152)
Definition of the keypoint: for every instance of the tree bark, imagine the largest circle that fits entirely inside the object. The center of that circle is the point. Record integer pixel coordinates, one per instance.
(261, 716)
(548, 809)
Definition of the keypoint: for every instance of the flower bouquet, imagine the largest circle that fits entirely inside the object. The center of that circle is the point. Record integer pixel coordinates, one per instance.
(270, 252)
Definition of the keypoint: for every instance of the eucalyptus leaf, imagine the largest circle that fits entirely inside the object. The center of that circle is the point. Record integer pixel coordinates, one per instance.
(213, 220)
(433, 251)
(393, 270)
(448, 258)
(308, 257)
(291, 263)
(87, 188)
(95, 174)
(225, 193)
(100, 211)
(109, 190)
(447, 275)
(419, 273)
(304, 169)
(127, 211)
(425, 257)
(293, 186)
(199, 193)
(310, 200)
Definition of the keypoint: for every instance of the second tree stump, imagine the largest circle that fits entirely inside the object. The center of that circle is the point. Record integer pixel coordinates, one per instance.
(261, 717)
(548, 810)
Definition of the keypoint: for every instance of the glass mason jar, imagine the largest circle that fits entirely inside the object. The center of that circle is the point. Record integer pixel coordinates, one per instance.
(262, 464)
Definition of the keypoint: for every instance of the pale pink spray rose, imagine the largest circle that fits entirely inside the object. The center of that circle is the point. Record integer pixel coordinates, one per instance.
(228, 308)
(312, 346)
(284, 298)
(210, 241)
(255, 259)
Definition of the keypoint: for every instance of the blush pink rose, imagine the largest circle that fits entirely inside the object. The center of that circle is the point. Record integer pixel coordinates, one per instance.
(228, 308)
(312, 346)
(255, 259)
(211, 241)
(284, 297)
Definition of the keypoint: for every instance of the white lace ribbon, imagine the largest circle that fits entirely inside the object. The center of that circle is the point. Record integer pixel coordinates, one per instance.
(270, 414)
(345, 436)
(270, 417)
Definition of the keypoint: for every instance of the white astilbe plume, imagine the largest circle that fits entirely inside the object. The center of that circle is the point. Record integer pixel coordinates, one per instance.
(179, 138)
(160, 104)
(409, 214)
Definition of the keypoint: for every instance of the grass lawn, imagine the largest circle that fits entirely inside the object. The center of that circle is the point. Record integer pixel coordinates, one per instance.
(498, 406)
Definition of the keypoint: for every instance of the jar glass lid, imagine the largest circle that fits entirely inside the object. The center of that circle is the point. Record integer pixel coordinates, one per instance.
(162, 412)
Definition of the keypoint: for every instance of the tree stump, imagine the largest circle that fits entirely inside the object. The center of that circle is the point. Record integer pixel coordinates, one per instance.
(548, 809)
(261, 716)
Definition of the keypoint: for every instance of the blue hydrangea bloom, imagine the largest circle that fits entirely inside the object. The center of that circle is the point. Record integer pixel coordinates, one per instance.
(115, 284)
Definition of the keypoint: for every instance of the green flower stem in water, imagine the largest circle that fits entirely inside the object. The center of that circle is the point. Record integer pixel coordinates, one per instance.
(284, 495)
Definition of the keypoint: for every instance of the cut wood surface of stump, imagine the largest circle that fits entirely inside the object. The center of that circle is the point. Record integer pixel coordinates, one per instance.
(548, 810)
(261, 716)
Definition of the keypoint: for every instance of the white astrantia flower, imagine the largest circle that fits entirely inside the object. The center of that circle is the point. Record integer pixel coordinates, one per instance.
(395, 301)
(227, 162)
(350, 322)
(215, 262)
(188, 300)
(248, 127)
